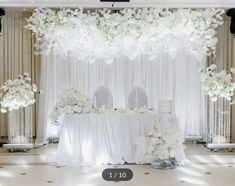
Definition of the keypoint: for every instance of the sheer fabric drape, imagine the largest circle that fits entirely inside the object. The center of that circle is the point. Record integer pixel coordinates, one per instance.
(162, 79)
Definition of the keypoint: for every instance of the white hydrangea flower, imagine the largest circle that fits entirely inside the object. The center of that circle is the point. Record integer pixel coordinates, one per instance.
(17, 93)
(217, 84)
(72, 102)
(163, 143)
(129, 32)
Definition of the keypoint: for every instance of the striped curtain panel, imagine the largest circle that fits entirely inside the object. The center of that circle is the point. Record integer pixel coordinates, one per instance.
(16, 57)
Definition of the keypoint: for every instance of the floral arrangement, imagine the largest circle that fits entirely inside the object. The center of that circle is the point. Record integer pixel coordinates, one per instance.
(128, 32)
(164, 143)
(72, 102)
(218, 84)
(17, 93)
(141, 110)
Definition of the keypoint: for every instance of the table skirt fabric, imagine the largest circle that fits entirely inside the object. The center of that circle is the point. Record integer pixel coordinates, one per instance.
(95, 139)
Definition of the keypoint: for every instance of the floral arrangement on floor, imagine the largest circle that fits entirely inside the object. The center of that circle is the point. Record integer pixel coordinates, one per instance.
(129, 32)
(17, 93)
(163, 144)
(218, 84)
(72, 102)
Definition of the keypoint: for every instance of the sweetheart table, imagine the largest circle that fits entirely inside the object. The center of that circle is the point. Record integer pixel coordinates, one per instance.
(95, 139)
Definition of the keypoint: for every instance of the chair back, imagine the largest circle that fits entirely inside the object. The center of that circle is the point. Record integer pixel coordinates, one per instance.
(137, 98)
(103, 97)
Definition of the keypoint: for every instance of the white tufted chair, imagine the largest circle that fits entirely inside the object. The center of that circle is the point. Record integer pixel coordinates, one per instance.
(103, 97)
(137, 98)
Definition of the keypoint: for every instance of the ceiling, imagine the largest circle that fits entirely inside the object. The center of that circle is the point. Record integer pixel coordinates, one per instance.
(132, 3)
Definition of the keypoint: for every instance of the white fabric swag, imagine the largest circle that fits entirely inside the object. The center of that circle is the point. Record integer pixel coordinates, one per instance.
(163, 78)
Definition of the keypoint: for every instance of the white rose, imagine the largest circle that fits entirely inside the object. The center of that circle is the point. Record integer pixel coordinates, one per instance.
(26, 74)
(34, 88)
(213, 99)
(3, 110)
(150, 149)
(233, 70)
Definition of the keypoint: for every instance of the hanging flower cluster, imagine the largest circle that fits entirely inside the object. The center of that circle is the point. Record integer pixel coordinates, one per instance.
(104, 34)
(218, 84)
(17, 93)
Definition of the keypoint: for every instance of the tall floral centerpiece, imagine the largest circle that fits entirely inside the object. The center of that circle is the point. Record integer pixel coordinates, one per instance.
(16, 98)
(220, 89)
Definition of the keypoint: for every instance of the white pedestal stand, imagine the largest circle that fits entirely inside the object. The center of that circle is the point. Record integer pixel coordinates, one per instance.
(219, 126)
(19, 130)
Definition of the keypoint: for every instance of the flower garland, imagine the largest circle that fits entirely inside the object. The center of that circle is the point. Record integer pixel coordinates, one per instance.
(104, 34)
(17, 93)
(218, 84)
(142, 110)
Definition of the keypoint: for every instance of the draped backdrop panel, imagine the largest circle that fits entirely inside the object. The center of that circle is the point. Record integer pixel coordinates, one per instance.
(162, 78)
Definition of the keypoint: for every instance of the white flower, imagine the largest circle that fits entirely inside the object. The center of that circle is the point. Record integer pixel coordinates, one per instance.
(214, 99)
(129, 32)
(150, 149)
(217, 84)
(72, 101)
(166, 142)
(17, 93)
(34, 88)
(26, 74)
(213, 67)
(233, 70)
(3, 110)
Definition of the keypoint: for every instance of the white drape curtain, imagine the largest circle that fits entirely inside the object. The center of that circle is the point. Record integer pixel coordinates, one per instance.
(163, 78)
(16, 56)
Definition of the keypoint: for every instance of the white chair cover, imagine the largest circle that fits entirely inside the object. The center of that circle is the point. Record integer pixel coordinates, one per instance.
(103, 97)
(137, 98)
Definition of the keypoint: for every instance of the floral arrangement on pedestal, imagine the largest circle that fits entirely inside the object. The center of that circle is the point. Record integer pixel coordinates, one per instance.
(17, 93)
(163, 147)
(218, 84)
(129, 32)
(72, 102)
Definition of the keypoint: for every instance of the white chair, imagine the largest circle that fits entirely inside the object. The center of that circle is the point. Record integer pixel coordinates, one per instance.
(137, 98)
(103, 97)
(165, 107)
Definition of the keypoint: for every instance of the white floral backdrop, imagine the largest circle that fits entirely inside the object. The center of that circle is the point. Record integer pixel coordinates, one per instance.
(127, 32)
(162, 78)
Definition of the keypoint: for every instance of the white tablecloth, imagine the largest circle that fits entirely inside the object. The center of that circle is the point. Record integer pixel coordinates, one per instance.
(91, 139)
